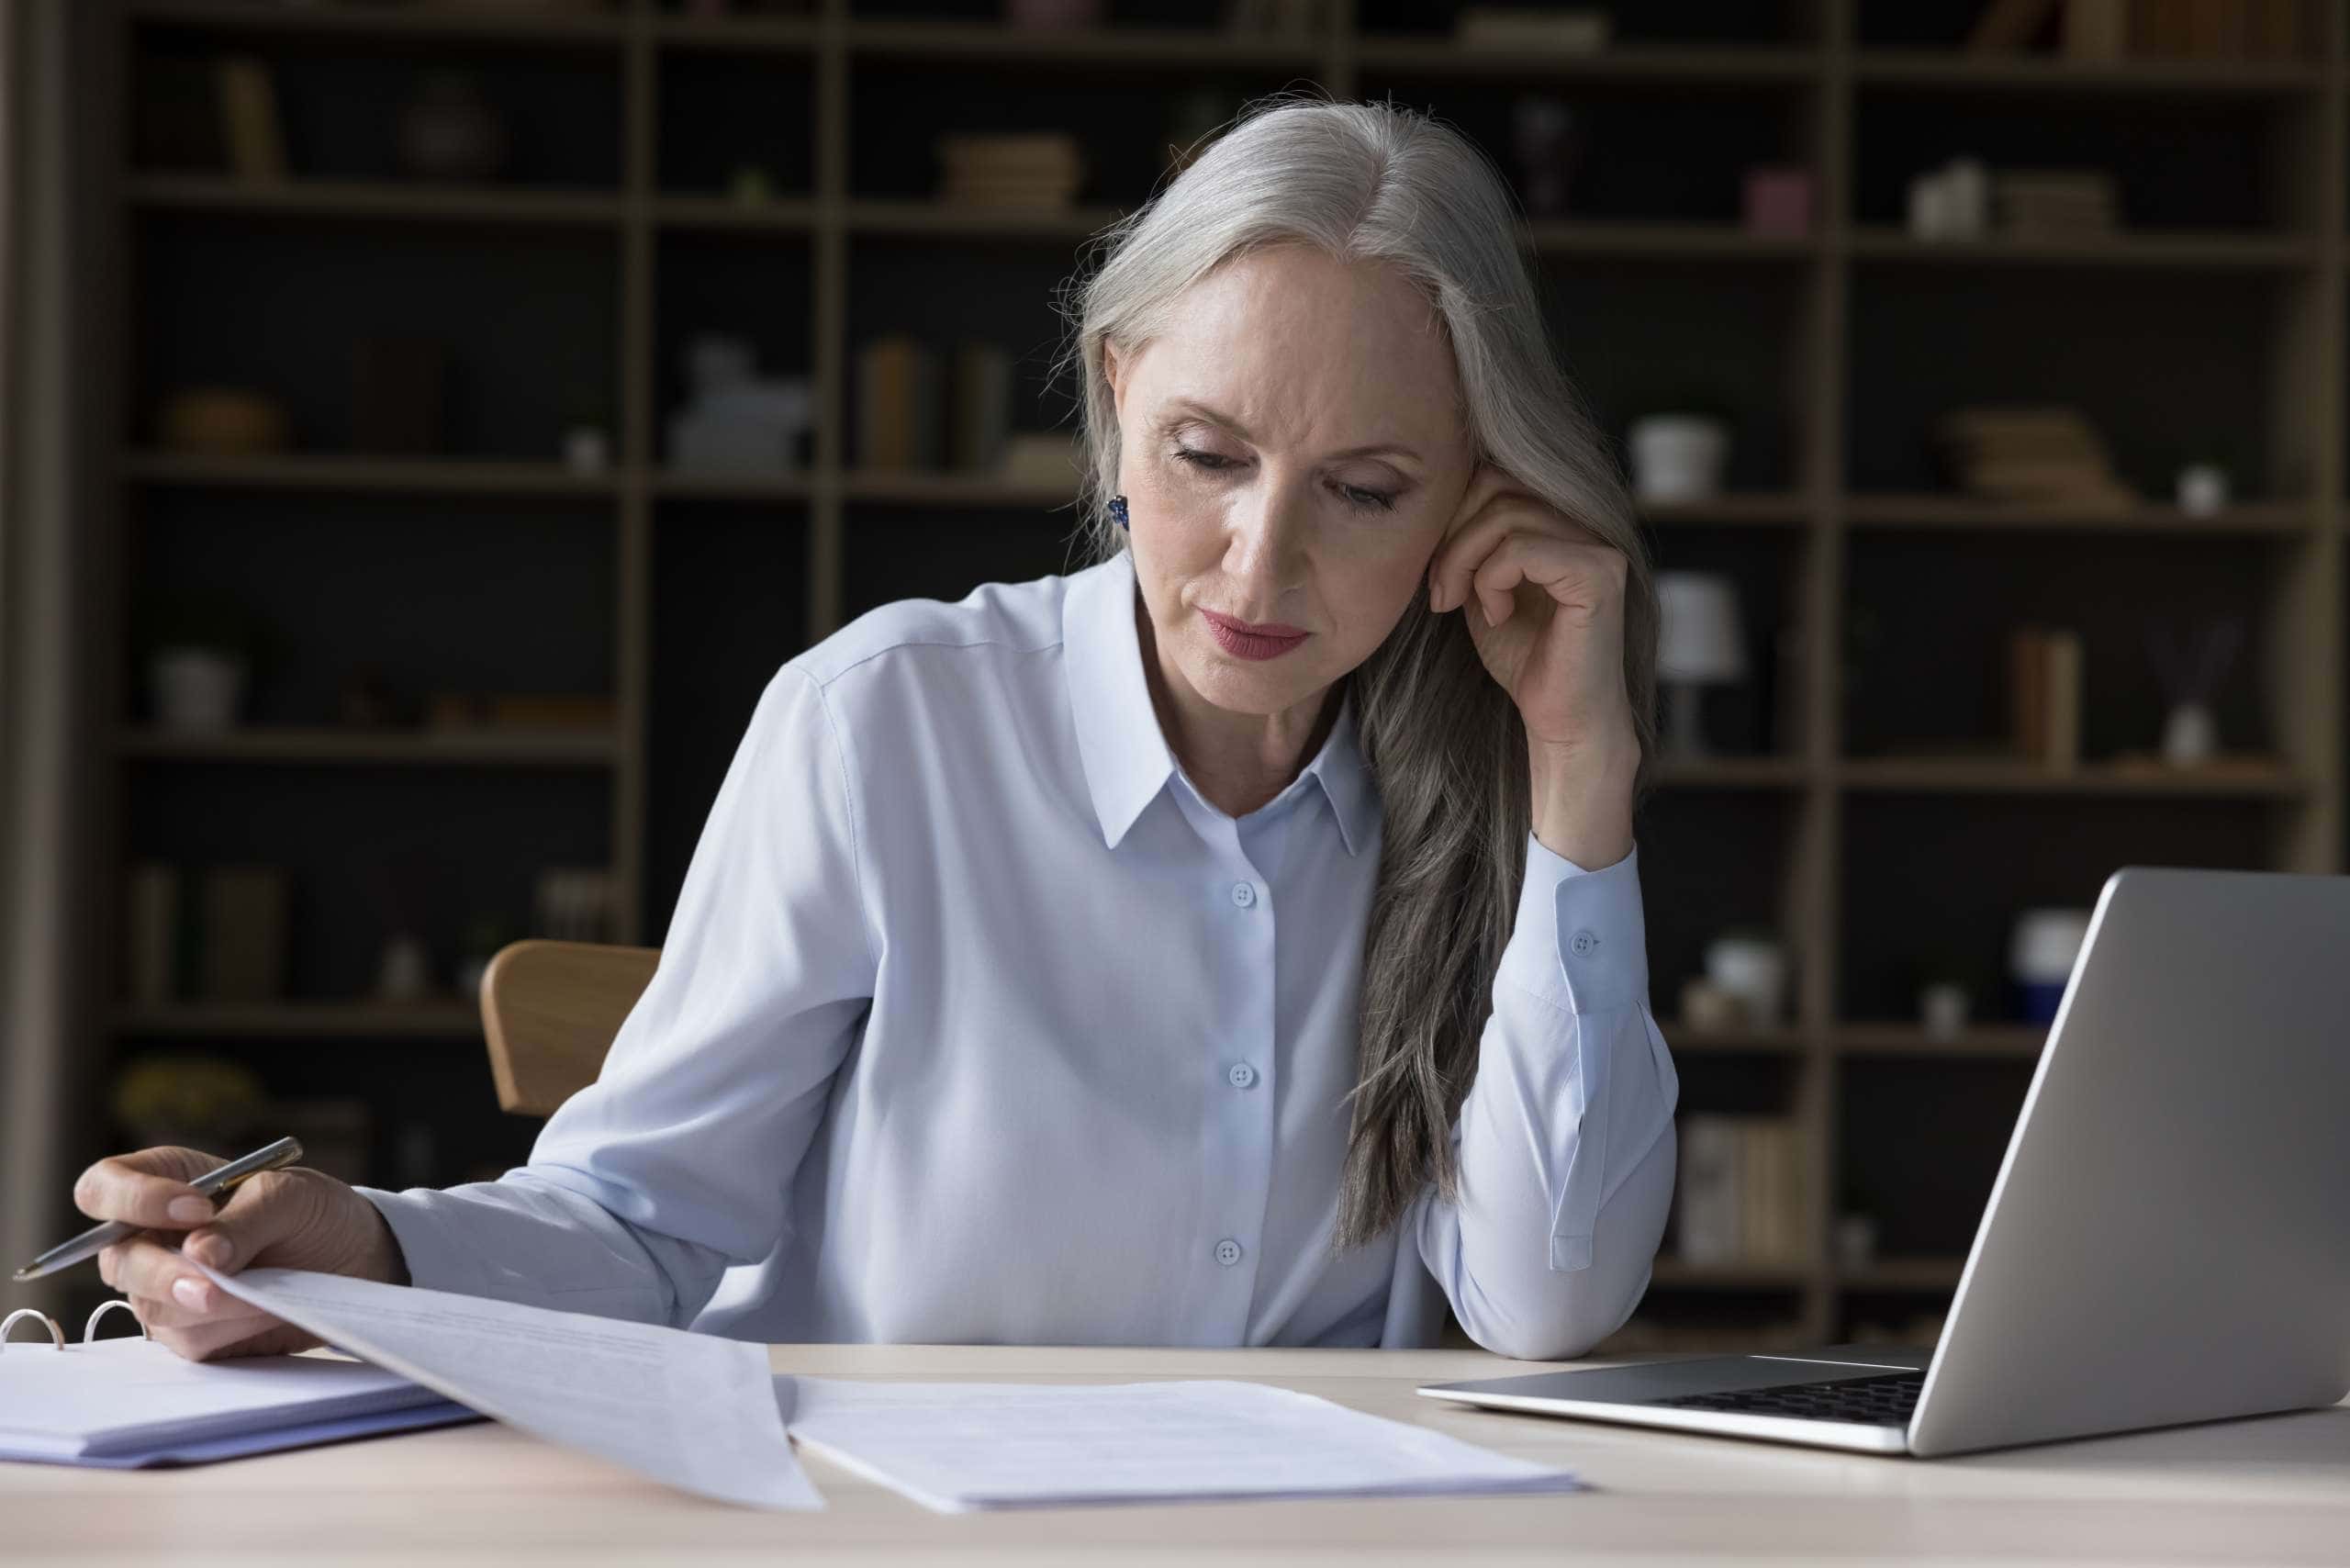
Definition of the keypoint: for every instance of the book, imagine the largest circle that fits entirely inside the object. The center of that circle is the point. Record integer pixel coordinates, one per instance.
(1740, 1197)
(249, 122)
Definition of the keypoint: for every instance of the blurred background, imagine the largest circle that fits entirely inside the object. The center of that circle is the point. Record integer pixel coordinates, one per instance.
(428, 426)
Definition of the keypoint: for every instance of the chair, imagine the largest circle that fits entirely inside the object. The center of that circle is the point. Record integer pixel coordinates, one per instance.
(550, 1010)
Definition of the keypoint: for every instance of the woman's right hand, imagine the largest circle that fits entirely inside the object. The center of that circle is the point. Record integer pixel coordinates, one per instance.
(289, 1219)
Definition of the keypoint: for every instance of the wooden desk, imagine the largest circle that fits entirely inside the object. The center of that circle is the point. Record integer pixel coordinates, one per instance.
(2273, 1490)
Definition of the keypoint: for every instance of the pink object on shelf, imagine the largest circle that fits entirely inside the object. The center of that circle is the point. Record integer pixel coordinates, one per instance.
(1778, 200)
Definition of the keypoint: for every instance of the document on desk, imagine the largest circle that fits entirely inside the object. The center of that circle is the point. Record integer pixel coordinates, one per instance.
(694, 1410)
(955, 1446)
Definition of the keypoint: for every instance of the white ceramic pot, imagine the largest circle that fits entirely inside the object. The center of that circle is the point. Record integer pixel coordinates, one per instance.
(1752, 969)
(1678, 457)
(196, 691)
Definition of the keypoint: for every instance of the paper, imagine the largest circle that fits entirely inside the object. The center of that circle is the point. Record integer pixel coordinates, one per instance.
(694, 1410)
(952, 1447)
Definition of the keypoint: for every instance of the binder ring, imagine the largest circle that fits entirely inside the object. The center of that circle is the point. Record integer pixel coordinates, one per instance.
(8, 1324)
(90, 1329)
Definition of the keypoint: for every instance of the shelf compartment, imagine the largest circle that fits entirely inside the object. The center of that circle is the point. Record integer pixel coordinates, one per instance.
(1886, 509)
(450, 1019)
(376, 198)
(424, 748)
(1922, 1273)
(2184, 248)
(358, 472)
(1996, 1040)
(1951, 69)
(1145, 47)
(1671, 65)
(1671, 1273)
(470, 24)
(1695, 241)
(1680, 1037)
(1730, 772)
(1968, 776)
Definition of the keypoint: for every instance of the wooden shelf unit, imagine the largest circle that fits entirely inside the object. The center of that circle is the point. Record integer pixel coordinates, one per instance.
(1814, 521)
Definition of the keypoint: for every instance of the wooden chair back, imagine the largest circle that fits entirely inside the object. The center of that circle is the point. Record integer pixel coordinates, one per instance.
(550, 1010)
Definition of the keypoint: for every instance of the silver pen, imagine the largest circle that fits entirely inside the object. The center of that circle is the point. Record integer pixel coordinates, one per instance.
(212, 1185)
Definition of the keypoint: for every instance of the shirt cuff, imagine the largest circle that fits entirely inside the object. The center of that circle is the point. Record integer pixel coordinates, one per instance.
(435, 1262)
(1580, 940)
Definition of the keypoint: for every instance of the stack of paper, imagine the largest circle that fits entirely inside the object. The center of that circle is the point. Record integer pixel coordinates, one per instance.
(954, 1447)
(123, 1404)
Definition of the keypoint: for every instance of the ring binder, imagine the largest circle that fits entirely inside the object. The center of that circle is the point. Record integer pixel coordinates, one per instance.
(128, 1401)
(8, 1326)
(90, 1328)
(57, 1334)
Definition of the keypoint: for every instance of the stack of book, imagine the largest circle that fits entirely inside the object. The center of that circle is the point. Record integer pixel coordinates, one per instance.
(1022, 168)
(1740, 1198)
(2056, 204)
(1534, 30)
(214, 934)
(2043, 456)
(2044, 695)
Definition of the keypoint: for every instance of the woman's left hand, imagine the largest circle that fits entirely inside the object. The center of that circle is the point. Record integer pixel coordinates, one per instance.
(1544, 600)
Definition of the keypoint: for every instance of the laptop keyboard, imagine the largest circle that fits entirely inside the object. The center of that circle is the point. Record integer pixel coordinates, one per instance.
(1868, 1401)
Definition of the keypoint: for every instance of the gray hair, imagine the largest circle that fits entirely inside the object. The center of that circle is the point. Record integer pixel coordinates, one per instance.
(1375, 183)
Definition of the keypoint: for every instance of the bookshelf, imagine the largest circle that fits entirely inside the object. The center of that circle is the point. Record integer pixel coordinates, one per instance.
(1829, 818)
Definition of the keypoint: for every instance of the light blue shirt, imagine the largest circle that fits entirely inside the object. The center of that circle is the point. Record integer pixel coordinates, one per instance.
(978, 1024)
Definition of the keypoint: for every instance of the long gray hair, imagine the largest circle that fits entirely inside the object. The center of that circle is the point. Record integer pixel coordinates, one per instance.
(1374, 183)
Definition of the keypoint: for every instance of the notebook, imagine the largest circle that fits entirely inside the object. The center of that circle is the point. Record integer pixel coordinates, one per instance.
(127, 1403)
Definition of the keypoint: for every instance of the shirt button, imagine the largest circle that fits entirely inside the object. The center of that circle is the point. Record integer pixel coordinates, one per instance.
(1244, 894)
(1241, 1075)
(1584, 941)
(1227, 1252)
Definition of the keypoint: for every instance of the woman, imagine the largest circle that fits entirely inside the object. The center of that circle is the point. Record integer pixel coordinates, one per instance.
(1237, 941)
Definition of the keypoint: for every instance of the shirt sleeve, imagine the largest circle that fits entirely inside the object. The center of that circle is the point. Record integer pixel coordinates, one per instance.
(677, 1163)
(1566, 1141)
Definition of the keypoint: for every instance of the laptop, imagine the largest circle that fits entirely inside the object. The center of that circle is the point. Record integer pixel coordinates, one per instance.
(2168, 1237)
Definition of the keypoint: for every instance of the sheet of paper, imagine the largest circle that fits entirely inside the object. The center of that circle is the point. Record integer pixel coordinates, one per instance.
(959, 1445)
(694, 1410)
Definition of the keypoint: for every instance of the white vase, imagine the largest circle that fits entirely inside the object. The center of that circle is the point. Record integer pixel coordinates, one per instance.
(1678, 457)
(197, 691)
(2190, 735)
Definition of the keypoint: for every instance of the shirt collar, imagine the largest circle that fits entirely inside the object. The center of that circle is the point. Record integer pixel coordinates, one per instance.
(1126, 755)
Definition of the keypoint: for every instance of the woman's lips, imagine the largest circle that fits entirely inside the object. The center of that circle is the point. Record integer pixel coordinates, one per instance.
(1244, 640)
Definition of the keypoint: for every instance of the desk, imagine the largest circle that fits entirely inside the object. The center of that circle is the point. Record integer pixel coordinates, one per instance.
(2272, 1490)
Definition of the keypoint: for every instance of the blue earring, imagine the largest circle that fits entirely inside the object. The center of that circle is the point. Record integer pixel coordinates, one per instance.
(1118, 509)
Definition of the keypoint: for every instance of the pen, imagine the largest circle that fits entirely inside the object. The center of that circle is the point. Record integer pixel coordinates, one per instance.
(212, 1183)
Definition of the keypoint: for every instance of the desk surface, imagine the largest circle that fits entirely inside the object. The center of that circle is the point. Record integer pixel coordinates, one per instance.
(2270, 1490)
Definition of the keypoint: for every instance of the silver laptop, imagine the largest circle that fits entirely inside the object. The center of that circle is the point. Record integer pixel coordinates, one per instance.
(2168, 1238)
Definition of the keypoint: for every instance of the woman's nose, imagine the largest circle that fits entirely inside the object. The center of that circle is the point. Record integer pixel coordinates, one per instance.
(1267, 536)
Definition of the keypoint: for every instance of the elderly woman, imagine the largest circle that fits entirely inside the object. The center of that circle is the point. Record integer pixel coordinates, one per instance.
(1237, 941)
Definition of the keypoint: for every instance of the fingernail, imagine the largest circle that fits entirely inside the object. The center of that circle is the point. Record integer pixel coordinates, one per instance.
(216, 1250)
(190, 1209)
(191, 1294)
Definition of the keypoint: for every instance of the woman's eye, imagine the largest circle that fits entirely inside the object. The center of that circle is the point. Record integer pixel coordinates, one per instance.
(1354, 495)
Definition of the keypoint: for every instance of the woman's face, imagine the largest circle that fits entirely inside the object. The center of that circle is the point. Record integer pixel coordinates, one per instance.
(1291, 456)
